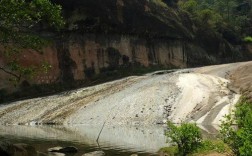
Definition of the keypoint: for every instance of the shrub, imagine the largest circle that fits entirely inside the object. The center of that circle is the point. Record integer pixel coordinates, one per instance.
(239, 138)
(248, 39)
(187, 137)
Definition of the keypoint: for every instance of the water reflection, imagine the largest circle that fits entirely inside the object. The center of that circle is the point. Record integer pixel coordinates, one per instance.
(117, 140)
(148, 139)
(121, 138)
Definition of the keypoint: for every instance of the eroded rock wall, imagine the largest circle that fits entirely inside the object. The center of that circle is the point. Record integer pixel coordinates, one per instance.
(94, 54)
(81, 57)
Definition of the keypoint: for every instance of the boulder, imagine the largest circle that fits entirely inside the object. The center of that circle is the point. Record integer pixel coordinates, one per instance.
(24, 150)
(55, 154)
(59, 149)
(95, 153)
(8, 149)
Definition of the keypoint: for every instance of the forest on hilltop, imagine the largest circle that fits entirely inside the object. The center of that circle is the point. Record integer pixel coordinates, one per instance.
(230, 18)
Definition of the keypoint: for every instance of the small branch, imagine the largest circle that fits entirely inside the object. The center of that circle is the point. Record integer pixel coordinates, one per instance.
(97, 140)
(10, 73)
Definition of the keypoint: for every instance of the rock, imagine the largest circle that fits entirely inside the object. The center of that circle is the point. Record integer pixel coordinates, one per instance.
(95, 153)
(56, 154)
(59, 149)
(8, 149)
(41, 154)
(24, 150)
(134, 155)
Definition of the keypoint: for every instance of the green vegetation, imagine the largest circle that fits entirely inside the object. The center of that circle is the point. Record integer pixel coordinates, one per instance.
(248, 39)
(187, 137)
(188, 141)
(239, 137)
(19, 21)
(236, 133)
(206, 147)
(219, 15)
(211, 146)
(171, 151)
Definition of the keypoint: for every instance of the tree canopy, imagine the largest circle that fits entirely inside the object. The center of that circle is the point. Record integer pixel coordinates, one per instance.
(219, 14)
(18, 21)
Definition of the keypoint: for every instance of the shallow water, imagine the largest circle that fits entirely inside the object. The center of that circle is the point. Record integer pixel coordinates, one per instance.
(113, 140)
(119, 140)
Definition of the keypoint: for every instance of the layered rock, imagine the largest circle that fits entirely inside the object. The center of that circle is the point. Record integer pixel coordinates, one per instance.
(107, 35)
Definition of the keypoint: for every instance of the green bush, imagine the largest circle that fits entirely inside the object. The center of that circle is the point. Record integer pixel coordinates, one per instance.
(248, 39)
(239, 137)
(187, 137)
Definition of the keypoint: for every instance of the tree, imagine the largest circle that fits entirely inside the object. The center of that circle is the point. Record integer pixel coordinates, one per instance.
(18, 21)
(218, 14)
(187, 136)
(239, 138)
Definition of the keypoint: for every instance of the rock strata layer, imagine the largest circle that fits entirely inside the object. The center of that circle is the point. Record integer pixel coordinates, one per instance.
(199, 95)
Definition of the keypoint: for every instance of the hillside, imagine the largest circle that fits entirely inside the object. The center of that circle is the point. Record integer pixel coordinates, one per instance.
(109, 39)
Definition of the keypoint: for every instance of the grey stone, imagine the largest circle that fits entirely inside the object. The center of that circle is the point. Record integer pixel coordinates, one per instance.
(8, 149)
(56, 154)
(59, 149)
(95, 153)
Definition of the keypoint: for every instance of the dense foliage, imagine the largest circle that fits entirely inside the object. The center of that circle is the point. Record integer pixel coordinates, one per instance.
(239, 137)
(220, 15)
(186, 136)
(18, 21)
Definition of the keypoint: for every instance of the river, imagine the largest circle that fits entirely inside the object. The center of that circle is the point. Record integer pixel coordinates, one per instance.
(119, 140)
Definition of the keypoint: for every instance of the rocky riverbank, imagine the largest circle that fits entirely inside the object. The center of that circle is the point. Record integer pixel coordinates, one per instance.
(199, 95)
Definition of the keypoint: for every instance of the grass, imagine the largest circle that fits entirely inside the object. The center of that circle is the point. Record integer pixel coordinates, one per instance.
(212, 146)
(207, 147)
(171, 151)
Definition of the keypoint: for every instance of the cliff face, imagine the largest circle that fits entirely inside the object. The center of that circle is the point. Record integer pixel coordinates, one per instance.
(82, 57)
(107, 35)
(94, 54)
